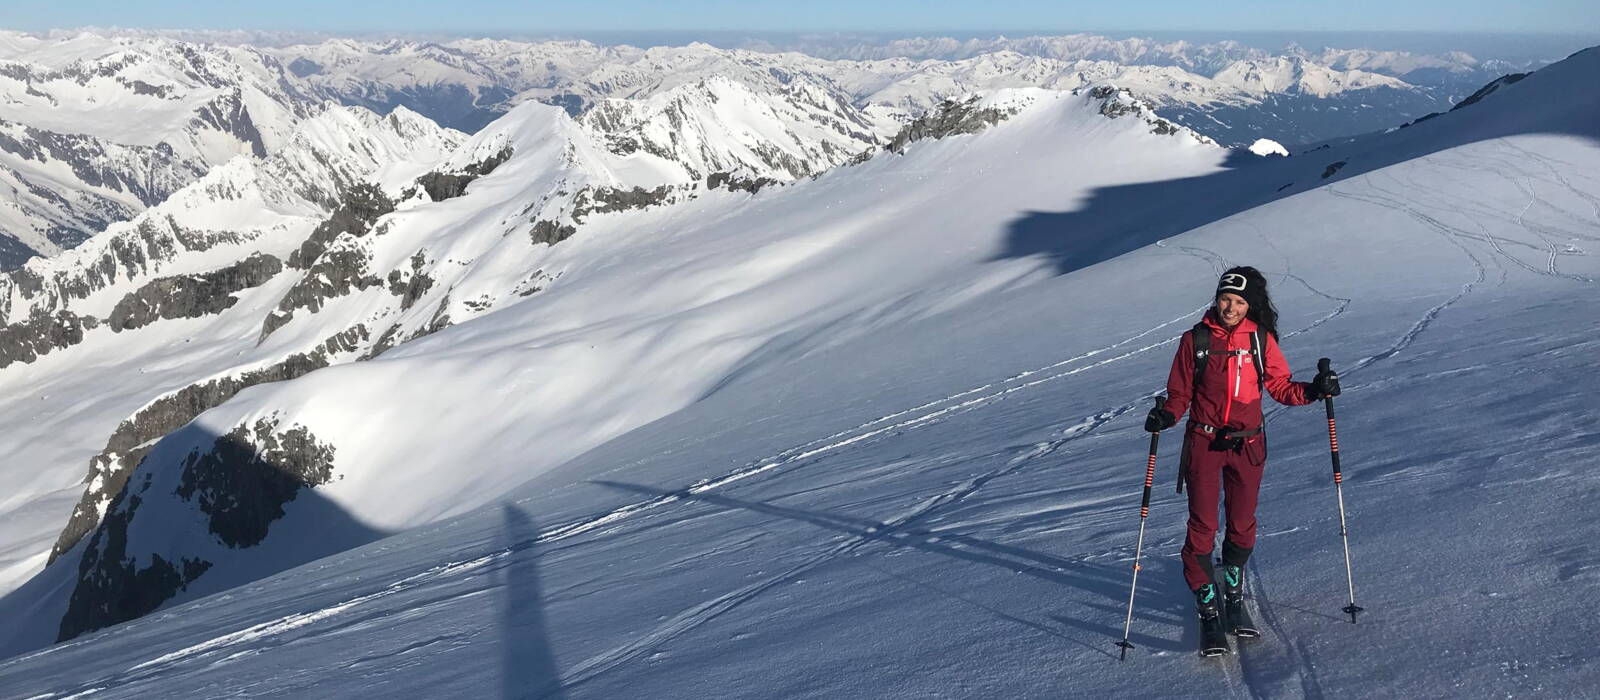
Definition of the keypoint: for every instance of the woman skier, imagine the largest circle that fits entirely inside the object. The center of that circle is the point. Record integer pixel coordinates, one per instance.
(1224, 366)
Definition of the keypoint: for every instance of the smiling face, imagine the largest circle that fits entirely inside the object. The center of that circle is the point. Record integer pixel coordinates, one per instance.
(1231, 308)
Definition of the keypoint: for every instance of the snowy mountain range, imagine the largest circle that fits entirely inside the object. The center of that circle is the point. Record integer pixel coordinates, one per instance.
(74, 163)
(687, 354)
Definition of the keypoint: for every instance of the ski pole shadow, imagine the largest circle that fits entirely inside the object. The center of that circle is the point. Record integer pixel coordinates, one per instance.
(1108, 584)
(527, 666)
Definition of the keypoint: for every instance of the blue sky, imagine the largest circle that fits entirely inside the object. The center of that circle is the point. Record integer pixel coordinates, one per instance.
(501, 16)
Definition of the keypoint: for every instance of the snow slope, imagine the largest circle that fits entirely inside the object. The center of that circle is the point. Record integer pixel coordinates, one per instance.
(877, 434)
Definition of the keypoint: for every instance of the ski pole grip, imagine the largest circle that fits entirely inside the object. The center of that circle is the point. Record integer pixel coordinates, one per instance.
(1326, 365)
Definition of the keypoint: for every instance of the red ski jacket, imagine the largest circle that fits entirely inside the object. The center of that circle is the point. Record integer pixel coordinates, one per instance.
(1228, 395)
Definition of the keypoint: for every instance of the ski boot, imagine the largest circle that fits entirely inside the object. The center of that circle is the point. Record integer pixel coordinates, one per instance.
(1213, 631)
(1239, 622)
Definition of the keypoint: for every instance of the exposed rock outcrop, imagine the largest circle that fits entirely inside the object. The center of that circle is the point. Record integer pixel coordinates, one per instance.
(441, 186)
(332, 270)
(550, 232)
(410, 284)
(133, 439)
(359, 208)
(1118, 102)
(1474, 98)
(41, 333)
(1486, 90)
(733, 182)
(192, 296)
(604, 200)
(126, 254)
(228, 114)
(244, 482)
(951, 118)
(149, 173)
(241, 485)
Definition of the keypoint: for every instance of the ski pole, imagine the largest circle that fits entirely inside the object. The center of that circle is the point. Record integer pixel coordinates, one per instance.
(1144, 513)
(1324, 365)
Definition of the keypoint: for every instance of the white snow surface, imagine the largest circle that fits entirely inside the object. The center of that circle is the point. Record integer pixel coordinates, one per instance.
(877, 434)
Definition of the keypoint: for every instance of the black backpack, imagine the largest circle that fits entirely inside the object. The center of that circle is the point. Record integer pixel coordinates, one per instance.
(1202, 333)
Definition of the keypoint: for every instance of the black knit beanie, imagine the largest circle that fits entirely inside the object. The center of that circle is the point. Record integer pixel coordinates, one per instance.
(1241, 281)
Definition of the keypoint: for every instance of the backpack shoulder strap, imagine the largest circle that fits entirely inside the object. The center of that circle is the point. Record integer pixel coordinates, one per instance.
(1201, 335)
(1258, 348)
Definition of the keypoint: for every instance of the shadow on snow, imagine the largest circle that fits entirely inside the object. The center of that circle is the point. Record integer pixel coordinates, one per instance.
(1162, 602)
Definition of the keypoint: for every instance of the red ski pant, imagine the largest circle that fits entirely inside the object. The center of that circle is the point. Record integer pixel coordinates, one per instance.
(1215, 470)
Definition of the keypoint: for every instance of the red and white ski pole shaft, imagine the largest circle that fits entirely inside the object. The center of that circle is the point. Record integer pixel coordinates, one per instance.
(1324, 365)
(1138, 549)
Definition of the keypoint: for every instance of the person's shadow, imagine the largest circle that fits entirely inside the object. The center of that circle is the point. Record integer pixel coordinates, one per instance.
(527, 666)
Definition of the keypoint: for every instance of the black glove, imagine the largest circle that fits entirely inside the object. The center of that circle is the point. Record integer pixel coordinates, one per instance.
(1158, 420)
(1325, 384)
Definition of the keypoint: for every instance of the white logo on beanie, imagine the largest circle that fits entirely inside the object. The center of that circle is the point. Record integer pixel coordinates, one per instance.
(1231, 283)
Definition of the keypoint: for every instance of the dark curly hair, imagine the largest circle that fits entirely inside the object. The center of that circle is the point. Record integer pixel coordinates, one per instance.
(1261, 309)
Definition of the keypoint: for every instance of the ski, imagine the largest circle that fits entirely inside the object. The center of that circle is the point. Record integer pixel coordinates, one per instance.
(1239, 621)
(1213, 637)
(1213, 627)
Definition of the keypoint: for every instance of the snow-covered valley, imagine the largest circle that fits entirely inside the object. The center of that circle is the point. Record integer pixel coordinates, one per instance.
(734, 392)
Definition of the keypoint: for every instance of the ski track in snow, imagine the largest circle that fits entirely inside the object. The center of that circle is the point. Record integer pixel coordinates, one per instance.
(1450, 234)
(1305, 670)
(1523, 182)
(705, 612)
(226, 646)
(926, 413)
